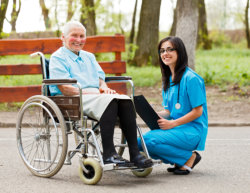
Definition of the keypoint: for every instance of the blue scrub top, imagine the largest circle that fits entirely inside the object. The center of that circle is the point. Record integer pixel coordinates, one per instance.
(64, 64)
(192, 93)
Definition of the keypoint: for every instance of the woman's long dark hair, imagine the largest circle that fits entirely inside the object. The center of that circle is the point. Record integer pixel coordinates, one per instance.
(181, 63)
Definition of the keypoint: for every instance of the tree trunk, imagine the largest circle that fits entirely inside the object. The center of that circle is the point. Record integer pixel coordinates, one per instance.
(70, 11)
(3, 8)
(148, 33)
(173, 28)
(203, 38)
(187, 26)
(88, 16)
(132, 32)
(45, 12)
(14, 15)
(247, 25)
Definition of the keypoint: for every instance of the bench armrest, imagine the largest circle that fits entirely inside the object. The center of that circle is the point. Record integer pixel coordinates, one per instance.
(59, 81)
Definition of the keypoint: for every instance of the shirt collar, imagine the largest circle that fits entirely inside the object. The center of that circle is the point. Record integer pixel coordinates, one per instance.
(71, 54)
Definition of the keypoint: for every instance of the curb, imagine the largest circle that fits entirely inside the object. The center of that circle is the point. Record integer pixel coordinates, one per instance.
(13, 125)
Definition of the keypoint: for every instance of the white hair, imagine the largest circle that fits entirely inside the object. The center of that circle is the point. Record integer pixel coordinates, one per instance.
(69, 25)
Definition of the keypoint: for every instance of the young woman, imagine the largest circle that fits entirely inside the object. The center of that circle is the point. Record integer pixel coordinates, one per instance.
(183, 123)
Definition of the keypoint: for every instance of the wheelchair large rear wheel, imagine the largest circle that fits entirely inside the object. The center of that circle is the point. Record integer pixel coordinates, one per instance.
(41, 136)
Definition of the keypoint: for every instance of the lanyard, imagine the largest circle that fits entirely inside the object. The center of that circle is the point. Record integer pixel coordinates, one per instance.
(177, 105)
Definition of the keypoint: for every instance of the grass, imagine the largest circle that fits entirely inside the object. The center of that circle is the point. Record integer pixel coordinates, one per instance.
(224, 66)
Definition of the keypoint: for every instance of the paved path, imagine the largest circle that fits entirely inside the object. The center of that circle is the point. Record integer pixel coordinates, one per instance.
(224, 169)
(8, 119)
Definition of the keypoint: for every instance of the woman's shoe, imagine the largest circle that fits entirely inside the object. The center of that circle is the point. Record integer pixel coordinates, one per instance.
(172, 169)
(142, 162)
(188, 169)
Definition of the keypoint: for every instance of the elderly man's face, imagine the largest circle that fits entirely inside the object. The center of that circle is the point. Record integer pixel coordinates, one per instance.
(75, 39)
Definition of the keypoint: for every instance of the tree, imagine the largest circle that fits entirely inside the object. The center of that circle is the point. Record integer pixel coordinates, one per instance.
(3, 8)
(203, 38)
(132, 32)
(88, 16)
(187, 26)
(14, 14)
(70, 11)
(45, 12)
(148, 33)
(247, 24)
(173, 27)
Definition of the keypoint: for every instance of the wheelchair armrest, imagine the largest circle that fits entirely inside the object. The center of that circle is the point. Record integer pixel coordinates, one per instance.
(59, 81)
(117, 78)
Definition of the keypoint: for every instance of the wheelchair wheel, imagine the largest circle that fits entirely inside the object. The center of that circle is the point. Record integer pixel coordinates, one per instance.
(95, 171)
(142, 172)
(41, 136)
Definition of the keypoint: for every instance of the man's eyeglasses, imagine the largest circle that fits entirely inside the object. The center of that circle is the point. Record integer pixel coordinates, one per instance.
(168, 50)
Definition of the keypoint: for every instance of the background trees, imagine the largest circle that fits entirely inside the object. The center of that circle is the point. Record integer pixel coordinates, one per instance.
(187, 26)
(3, 8)
(87, 17)
(141, 25)
(247, 24)
(148, 33)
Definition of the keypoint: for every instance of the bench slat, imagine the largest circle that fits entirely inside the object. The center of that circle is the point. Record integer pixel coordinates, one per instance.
(113, 67)
(94, 44)
(21, 93)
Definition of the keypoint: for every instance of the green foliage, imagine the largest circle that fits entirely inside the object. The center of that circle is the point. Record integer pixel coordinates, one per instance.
(219, 39)
(144, 76)
(224, 66)
(8, 107)
(20, 59)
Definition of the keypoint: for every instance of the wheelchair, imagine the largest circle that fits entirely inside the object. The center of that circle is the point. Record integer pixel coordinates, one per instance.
(44, 123)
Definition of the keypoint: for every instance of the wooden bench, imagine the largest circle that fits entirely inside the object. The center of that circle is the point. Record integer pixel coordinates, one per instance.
(94, 44)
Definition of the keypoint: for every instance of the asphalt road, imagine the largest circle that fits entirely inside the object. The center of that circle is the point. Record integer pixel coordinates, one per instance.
(224, 168)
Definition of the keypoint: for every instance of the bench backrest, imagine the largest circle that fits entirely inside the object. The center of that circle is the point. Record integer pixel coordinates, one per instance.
(94, 44)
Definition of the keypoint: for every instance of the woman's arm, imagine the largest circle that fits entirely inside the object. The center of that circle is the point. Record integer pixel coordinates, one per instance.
(69, 90)
(164, 114)
(192, 115)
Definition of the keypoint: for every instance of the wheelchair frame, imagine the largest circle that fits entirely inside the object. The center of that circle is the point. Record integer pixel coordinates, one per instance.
(56, 130)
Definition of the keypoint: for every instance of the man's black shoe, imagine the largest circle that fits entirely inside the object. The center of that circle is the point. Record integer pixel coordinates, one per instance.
(142, 162)
(118, 160)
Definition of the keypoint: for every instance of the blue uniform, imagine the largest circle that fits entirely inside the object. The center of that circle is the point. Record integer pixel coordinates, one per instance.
(64, 64)
(175, 145)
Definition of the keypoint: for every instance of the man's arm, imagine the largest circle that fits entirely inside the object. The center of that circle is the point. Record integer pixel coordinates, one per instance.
(104, 88)
(68, 90)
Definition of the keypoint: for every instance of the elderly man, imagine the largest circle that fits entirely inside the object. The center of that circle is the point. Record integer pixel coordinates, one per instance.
(100, 102)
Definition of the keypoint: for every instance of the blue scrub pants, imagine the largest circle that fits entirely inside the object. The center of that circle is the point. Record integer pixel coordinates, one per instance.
(173, 146)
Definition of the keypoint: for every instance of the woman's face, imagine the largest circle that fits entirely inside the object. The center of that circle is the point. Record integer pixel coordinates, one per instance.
(168, 54)
(75, 39)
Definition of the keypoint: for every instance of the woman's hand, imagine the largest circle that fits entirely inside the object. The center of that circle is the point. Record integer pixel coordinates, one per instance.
(107, 90)
(166, 124)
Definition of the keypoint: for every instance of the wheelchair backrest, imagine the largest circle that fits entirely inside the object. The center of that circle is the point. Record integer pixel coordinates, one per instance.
(45, 71)
(45, 68)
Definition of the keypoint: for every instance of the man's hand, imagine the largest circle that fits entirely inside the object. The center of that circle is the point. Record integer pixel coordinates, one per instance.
(107, 90)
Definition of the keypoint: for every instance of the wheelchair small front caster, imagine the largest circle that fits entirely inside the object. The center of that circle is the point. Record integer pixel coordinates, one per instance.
(94, 174)
(142, 172)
